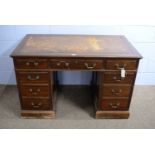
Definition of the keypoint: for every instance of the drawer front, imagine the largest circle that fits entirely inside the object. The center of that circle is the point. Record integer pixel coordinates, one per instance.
(35, 91)
(36, 104)
(110, 77)
(116, 91)
(33, 77)
(62, 64)
(31, 63)
(114, 104)
(76, 64)
(117, 64)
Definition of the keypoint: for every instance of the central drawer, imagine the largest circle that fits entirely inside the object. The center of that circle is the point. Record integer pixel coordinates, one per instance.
(76, 64)
(116, 90)
(35, 91)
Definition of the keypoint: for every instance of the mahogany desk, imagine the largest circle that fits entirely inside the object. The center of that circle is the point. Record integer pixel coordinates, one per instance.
(113, 60)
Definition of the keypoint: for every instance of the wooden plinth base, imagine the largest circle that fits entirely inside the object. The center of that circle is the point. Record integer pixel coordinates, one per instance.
(112, 114)
(37, 114)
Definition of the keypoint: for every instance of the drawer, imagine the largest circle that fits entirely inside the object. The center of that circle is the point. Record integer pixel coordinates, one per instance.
(116, 91)
(33, 77)
(76, 64)
(35, 91)
(36, 104)
(114, 104)
(115, 77)
(62, 64)
(119, 63)
(30, 63)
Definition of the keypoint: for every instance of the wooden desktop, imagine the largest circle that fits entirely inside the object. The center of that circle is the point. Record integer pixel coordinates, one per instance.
(112, 59)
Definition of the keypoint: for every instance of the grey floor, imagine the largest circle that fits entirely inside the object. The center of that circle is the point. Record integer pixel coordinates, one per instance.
(75, 110)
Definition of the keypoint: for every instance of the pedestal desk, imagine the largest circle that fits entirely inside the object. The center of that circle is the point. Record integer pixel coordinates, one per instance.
(112, 59)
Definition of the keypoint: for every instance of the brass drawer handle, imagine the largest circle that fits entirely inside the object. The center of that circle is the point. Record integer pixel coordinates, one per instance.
(116, 92)
(120, 78)
(90, 67)
(118, 66)
(32, 62)
(34, 92)
(114, 105)
(27, 63)
(36, 105)
(116, 79)
(36, 63)
(63, 62)
(33, 79)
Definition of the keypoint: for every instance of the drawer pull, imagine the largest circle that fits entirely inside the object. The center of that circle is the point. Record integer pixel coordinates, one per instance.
(27, 63)
(116, 79)
(36, 105)
(36, 63)
(116, 92)
(63, 62)
(34, 92)
(31, 90)
(119, 79)
(118, 66)
(90, 67)
(32, 62)
(33, 79)
(114, 105)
